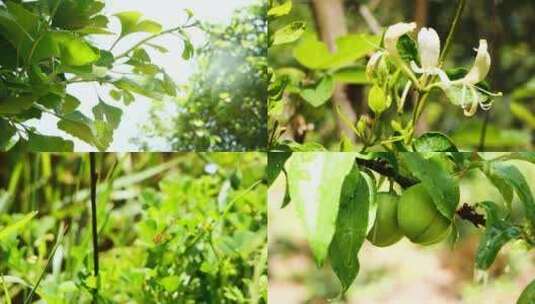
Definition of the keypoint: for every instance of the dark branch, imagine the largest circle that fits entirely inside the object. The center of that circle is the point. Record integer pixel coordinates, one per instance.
(467, 212)
(383, 167)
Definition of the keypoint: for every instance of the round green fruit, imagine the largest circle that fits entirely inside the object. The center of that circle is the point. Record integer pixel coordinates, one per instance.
(528, 295)
(385, 230)
(419, 219)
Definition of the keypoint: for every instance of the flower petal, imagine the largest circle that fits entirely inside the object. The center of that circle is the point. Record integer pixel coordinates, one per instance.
(428, 48)
(481, 65)
(393, 33)
(372, 64)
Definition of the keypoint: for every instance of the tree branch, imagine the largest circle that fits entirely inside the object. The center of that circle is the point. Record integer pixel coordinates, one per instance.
(383, 167)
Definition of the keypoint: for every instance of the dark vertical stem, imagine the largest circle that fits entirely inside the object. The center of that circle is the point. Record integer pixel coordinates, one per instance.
(94, 216)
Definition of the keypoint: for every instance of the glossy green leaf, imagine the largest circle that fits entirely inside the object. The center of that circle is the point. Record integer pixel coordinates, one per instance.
(15, 105)
(312, 53)
(75, 14)
(280, 10)
(130, 23)
(78, 125)
(289, 33)
(351, 228)
(497, 233)
(108, 113)
(439, 183)
(408, 50)
(434, 142)
(504, 188)
(319, 93)
(43, 143)
(276, 161)
(74, 50)
(70, 104)
(315, 189)
(514, 178)
(352, 75)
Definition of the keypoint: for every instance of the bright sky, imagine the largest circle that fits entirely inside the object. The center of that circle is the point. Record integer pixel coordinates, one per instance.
(169, 13)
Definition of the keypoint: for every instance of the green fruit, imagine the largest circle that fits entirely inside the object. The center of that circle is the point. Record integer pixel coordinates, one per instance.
(528, 295)
(385, 230)
(419, 219)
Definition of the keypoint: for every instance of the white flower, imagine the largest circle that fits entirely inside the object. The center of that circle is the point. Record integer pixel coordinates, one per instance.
(372, 64)
(429, 52)
(428, 48)
(481, 66)
(394, 32)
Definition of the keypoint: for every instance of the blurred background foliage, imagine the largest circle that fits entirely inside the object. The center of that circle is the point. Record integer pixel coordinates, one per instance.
(403, 272)
(225, 108)
(173, 228)
(507, 25)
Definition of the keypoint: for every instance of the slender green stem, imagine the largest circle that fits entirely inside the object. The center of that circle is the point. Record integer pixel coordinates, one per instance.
(453, 29)
(61, 234)
(140, 43)
(94, 219)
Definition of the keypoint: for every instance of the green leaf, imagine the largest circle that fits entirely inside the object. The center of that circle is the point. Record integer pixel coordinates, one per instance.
(70, 104)
(280, 10)
(528, 295)
(75, 14)
(108, 113)
(78, 125)
(351, 228)
(407, 49)
(169, 85)
(525, 156)
(96, 133)
(276, 161)
(351, 48)
(514, 178)
(6, 136)
(504, 188)
(170, 283)
(188, 51)
(377, 100)
(439, 183)
(5, 232)
(130, 23)
(434, 142)
(74, 50)
(42, 143)
(320, 92)
(314, 54)
(289, 33)
(15, 105)
(497, 233)
(315, 187)
(352, 75)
